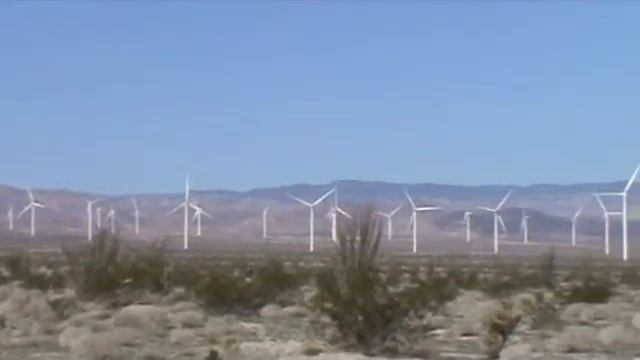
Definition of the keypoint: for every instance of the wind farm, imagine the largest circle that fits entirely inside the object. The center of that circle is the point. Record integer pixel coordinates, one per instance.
(319, 180)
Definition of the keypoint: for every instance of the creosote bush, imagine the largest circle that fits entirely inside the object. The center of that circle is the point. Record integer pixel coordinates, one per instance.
(351, 291)
(96, 269)
(585, 285)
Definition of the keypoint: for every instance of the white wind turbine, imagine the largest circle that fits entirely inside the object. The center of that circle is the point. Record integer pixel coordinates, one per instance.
(389, 217)
(414, 218)
(524, 227)
(90, 218)
(197, 217)
(10, 218)
(333, 215)
(185, 206)
(136, 216)
(311, 206)
(111, 219)
(467, 221)
(32, 206)
(607, 218)
(265, 230)
(497, 221)
(625, 212)
(574, 225)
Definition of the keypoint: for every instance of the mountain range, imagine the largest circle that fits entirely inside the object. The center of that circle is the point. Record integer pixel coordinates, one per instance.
(237, 215)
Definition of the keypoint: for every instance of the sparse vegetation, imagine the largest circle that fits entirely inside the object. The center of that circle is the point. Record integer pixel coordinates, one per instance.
(585, 285)
(351, 291)
(358, 300)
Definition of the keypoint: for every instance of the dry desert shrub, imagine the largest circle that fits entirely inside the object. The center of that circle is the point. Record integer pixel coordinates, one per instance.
(147, 318)
(350, 290)
(498, 327)
(575, 339)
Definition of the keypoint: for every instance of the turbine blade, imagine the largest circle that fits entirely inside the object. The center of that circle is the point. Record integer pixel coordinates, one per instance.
(177, 208)
(504, 200)
(600, 202)
(27, 208)
(577, 214)
(486, 209)
(395, 211)
(344, 213)
(323, 197)
(135, 204)
(502, 225)
(406, 193)
(428, 208)
(305, 203)
(632, 180)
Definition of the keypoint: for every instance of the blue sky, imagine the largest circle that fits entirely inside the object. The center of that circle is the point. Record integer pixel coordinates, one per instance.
(127, 97)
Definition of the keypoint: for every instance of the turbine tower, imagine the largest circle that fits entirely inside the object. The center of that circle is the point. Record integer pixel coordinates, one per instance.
(389, 217)
(524, 227)
(185, 206)
(497, 221)
(607, 218)
(136, 216)
(414, 218)
(90, 218)
(467, 221)
(265, 230)
(31, 207)
(99, 217)
(10, 218)
(197, 217)
(625, 212)
(333, 215)
(311, 206)
(111, 219)
(574, 225)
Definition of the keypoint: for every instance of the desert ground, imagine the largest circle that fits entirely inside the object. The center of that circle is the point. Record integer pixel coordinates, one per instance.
(108, 300)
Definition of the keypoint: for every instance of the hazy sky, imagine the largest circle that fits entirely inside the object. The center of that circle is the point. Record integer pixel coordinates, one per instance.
(127, 97)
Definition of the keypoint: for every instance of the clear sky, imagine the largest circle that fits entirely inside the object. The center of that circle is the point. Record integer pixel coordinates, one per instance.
(126, 97)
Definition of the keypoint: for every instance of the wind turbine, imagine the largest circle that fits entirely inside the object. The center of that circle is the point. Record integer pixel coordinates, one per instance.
(574, 225)
(467, 221)
(389, 217)
(111, 219)
(197, 217)
(265, 213)
(333, 215)
(32, 206)
(524, 227)
(90, 218)
(607, 218)
(10, 218)
(185, 206)
(414, 218)
(497, 221)
(625, 212)
(136, 215)
(311, 206)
